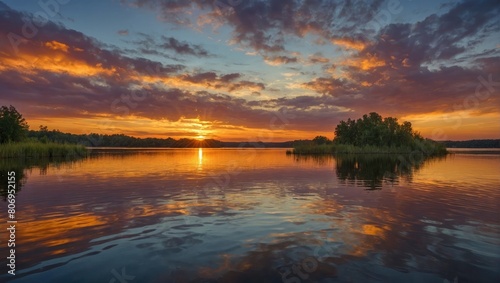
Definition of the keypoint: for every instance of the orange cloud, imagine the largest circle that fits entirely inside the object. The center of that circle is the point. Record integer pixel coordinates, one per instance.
(365, 63)
(349, 43)
(55, 45)
(57, 57)
(44, 58)
(57, 64)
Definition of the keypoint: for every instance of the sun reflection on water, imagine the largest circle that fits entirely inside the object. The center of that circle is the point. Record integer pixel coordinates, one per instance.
(200, 157)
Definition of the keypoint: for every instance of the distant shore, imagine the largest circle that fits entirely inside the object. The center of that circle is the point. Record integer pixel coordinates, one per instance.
(474, 150)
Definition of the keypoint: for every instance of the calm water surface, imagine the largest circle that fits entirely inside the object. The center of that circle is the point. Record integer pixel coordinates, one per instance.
(243, 215)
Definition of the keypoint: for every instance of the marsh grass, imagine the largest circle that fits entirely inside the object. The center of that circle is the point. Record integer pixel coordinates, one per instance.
(41, 150)
(427, 147)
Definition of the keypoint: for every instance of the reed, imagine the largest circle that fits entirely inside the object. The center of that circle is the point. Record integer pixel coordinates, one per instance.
(428, 148)
(33, 149)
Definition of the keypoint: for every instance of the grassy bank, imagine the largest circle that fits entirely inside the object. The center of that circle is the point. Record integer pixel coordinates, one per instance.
(40, 150)
(427, 147)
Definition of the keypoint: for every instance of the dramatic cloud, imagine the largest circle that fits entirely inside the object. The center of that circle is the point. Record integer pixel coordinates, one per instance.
(437, 38)
(397, 73)
(148, 45)
(183, 48)
(264, 25)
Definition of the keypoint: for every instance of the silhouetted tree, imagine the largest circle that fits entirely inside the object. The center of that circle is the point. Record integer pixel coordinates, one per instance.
(374, 130)
(13, 127)
(321, 140)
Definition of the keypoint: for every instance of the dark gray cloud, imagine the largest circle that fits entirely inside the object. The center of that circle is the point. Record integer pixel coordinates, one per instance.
(183, 48)
(263, 25)
(318, 58)
(279, 60)
(211, 79)
(146, 44)
(438, 38)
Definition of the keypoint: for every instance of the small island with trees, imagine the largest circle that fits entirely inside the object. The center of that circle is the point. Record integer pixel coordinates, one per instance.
(371, 134)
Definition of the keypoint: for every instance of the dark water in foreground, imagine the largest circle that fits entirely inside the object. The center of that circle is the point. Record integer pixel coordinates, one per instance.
(228, 215)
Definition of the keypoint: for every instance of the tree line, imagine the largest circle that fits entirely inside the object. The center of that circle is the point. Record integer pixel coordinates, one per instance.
(114, 140)
(120, 140)
(490, 143)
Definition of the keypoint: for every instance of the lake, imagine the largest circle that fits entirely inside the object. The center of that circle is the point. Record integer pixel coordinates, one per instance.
(256, 215)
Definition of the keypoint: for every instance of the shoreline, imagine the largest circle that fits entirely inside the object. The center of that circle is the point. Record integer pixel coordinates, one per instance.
(41, 150)
(429, 149)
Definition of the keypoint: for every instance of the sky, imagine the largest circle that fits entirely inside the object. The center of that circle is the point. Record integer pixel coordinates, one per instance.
(241, 70)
